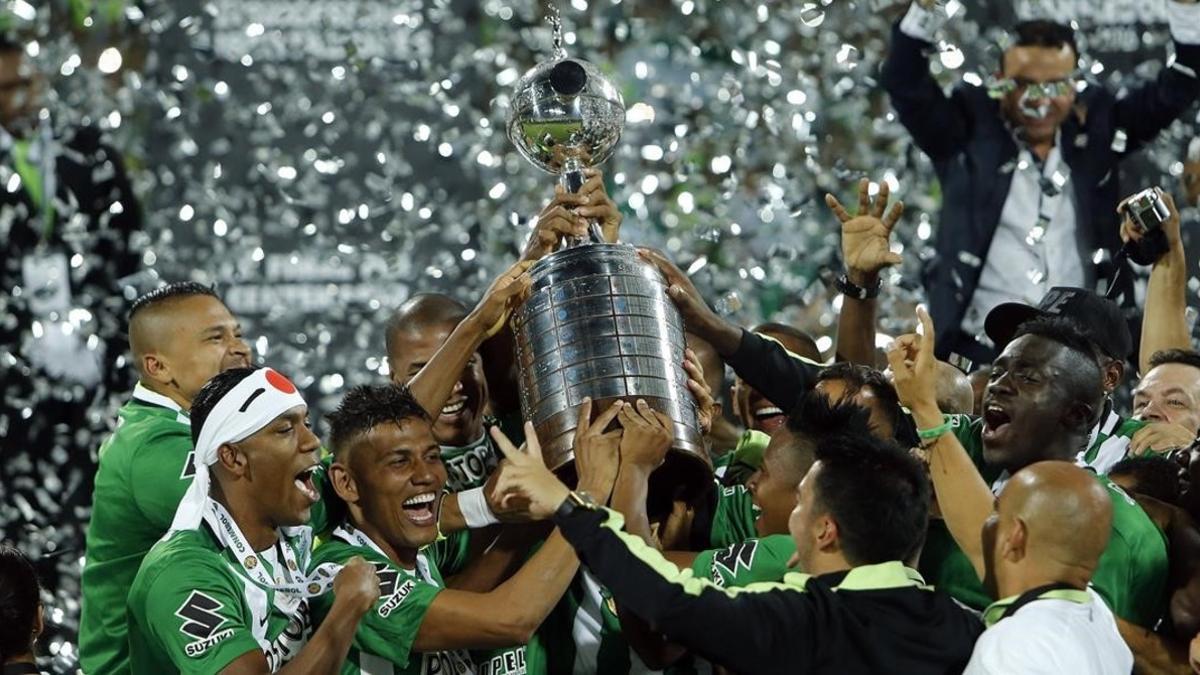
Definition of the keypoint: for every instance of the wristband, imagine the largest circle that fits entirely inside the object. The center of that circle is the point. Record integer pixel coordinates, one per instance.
(475, 510)
(844, 286)
(948, 423)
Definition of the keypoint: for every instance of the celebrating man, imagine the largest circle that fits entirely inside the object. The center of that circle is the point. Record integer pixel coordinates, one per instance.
(1043, 538)
(181, 336)
(388, 469)
(1043, 397)
(862, 509)
(1027, 167)
(227, 591)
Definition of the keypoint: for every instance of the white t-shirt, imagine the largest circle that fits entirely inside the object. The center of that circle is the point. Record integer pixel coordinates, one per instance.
(1054, 637)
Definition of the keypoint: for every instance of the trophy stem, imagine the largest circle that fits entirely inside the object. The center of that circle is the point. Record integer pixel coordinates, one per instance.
(572, 180)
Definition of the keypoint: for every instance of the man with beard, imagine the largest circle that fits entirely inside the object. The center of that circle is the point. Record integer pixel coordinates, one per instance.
(181, 335)
(388, 469)
(227, 591)
(1028, 166)
(1044, 395)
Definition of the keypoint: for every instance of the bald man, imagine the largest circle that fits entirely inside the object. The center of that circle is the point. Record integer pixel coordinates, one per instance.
(756, 412)
(979, 379)
(181, 336)
(1042, 543)
(954, 393)
(415, 332)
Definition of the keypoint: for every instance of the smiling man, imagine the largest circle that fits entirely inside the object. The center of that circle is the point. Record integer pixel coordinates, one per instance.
(1170, 391)
(1028, 165)
(389, 470)
(414, 334)
(181, 336)
(754, 409)
(227, 591)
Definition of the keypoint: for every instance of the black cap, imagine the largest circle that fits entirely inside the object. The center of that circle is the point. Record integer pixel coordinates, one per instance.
(1100, 319)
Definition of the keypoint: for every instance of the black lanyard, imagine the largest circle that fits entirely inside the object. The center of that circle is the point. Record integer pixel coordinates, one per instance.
(1035, 594)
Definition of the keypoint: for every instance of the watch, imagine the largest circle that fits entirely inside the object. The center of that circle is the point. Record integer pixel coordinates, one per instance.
(846, 287)
(576, 499)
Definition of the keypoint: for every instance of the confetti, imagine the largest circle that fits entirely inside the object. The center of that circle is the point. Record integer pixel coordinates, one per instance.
(321, 164)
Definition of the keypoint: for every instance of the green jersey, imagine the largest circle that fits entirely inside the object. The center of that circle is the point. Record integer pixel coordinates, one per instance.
(469, 467)
(194, 607)
(747, 562)
(1132, 573)
(582, 636)
(145, 467)
(737, 465)
(1109, 441)
(383, 643)
(733, 516)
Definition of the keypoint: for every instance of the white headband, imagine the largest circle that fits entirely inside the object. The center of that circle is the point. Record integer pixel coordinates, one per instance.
(251, 405)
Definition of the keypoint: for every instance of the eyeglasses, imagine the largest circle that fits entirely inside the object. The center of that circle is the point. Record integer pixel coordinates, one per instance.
(1033, 90)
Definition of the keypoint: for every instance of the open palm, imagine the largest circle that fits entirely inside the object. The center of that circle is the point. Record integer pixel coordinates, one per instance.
(866, 235)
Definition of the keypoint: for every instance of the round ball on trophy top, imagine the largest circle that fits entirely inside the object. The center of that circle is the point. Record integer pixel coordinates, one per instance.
(568, 78)
(565, 116)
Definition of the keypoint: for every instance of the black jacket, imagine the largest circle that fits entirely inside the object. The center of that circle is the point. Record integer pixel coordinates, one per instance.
(966, 137)
(873, 619)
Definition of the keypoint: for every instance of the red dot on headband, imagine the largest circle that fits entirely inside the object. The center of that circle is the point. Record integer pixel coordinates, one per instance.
(280, 382)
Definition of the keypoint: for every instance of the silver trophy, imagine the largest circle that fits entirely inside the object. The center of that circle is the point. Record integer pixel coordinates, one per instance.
(598, 322)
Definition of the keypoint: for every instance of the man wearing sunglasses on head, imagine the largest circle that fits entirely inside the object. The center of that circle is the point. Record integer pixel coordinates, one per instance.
(1027, 164)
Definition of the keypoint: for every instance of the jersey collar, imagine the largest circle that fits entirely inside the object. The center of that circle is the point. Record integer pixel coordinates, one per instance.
(1008, 606)
(888, 575)
(145, 396)
(1109, 419)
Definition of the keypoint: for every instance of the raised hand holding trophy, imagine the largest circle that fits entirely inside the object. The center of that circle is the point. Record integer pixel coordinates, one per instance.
(598, 322)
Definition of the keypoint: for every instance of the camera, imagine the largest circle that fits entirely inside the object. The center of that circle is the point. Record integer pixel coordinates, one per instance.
(1146, 209)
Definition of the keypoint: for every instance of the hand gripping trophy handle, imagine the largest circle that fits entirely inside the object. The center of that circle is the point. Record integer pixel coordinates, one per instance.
(572, 180)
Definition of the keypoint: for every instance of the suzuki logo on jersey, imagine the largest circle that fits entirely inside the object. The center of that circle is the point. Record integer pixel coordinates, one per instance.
(189, 466)
(471, 468)
(201, 621)
(733, 558)
(397, 594)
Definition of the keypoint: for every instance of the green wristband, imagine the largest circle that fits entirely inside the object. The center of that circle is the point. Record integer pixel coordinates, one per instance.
(948, 423)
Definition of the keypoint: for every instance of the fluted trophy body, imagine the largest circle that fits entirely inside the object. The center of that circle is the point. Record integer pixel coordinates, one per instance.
(598, 322)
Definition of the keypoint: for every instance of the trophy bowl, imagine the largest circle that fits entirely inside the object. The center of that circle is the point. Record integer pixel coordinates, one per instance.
(565, 115)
